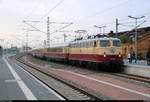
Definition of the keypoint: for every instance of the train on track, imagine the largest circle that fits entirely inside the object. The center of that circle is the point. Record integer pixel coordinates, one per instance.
(94, 52)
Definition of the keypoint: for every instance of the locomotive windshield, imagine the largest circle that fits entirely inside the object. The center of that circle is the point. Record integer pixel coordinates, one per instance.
(104, 43)
(117, 43)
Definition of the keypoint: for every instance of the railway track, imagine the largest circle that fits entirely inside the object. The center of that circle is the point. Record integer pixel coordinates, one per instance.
(133, 77)
(85, 94)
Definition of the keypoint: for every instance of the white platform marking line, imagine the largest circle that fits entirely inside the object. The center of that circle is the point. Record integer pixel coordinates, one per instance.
(42, 83)
(9, 81)
(110, 84)
(27, 92)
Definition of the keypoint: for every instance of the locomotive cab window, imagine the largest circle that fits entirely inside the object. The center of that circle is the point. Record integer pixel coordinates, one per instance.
(117, 43)
(104, 43)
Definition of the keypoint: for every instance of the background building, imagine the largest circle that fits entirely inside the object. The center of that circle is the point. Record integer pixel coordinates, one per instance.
(128, 38)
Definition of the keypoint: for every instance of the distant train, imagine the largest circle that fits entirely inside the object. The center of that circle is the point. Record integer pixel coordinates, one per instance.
(95, 52)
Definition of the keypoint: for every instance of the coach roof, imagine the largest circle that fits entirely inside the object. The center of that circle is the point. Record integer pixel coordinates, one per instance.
(95, 39)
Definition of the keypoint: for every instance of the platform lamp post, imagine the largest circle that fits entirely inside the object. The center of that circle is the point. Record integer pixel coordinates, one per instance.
(136, 34)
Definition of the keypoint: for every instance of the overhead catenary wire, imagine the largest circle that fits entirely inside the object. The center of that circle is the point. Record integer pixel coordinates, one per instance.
(52, 9)
(34, 9)
(91, 16)
(103, 11)
(61, 28)
(34, 27)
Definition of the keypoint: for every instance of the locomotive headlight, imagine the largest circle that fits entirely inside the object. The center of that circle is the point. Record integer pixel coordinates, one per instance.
(119, 54)
(104, 54)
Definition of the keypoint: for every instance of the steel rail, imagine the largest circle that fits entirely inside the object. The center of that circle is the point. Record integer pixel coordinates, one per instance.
(72, 85)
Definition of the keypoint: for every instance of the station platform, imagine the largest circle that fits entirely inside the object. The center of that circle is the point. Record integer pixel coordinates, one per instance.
(140, 68)
(18, 84)
(138, 64)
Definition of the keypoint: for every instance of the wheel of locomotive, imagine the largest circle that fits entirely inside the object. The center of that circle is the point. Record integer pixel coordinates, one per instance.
(80, 63)
(44, 57)
(112, 67)
(96, 65)
(65, 61)
(74, 63)
(70, 62)
(118, 67)
(87, 65)
(93, 65)
(77, 63)
(104, 67)
(83, 64)
(100, 66)
(90, 65)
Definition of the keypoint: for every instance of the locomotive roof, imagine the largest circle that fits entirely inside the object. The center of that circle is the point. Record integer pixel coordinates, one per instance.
(60, 45)
(95, 39)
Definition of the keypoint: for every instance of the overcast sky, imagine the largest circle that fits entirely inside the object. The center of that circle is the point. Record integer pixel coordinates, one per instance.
(83, 13)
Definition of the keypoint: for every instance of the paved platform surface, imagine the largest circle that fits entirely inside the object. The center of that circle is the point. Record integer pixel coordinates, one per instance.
(17, 84)
(139, 63)
(140, 68)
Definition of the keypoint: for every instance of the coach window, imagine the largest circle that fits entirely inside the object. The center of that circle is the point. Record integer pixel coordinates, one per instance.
(69, 45)
(86, 44)
(78, 45)
(91, 44)
(104, 43)
(75, 45)
(81, 45)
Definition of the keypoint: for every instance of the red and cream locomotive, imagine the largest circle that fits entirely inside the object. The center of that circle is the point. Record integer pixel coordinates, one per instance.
(93, 52)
